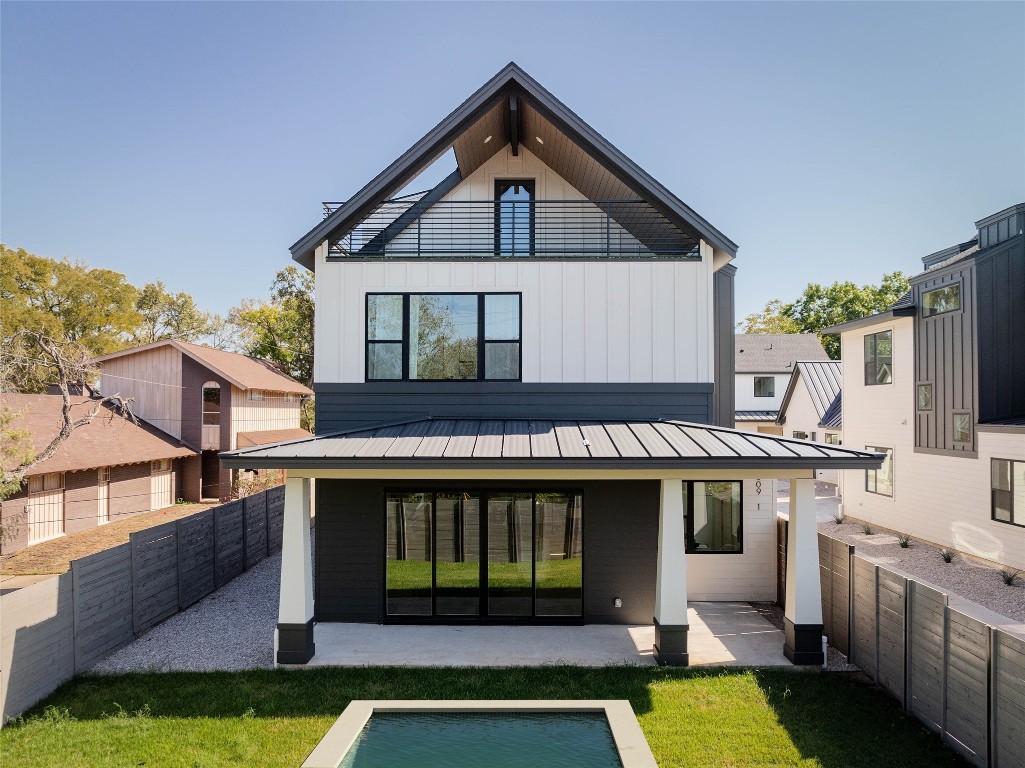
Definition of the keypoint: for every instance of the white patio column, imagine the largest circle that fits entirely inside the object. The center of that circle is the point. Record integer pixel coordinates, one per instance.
(803, 615)
(671, 578)
(293, 639)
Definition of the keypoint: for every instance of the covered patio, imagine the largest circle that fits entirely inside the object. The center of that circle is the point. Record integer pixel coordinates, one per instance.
(646, 485)
(721, 634)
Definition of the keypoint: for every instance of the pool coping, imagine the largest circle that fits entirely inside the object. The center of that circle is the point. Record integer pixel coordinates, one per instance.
(631, 745)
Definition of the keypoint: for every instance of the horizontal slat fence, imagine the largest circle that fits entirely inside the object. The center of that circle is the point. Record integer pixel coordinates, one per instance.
(64, 625)
(962, 677)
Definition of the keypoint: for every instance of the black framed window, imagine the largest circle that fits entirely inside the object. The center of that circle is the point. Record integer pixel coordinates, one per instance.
(443, 337)
(832, 438)
(941, 300)
(1007, 481)
(713, 517)
(514, 217)
(880, 481)
(211, 404)
(799, 434)
(879, 358)
(765, 386)
(924, 397)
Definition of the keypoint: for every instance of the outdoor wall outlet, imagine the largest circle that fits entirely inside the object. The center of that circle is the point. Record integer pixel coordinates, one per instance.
(618, 602)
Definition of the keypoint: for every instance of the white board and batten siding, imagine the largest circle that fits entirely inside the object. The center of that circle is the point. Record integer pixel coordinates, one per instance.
(944, 500)
(611, 321)
(154, 378)
(750, 575)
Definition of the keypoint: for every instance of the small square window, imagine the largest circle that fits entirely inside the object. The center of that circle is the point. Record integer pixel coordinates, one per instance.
(962, 427)
(799, 435)
(832, 438)
(925, 397)
(256, 395)
(765, 386)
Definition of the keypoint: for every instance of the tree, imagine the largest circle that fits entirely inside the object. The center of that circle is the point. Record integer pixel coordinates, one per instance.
(166, 315)
(281, 329)
(821, 306)
(65, 300)
(65, 363)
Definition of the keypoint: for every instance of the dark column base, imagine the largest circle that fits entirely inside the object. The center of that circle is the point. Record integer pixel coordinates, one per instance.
(803, 643)
(671, 644)
(295, 643)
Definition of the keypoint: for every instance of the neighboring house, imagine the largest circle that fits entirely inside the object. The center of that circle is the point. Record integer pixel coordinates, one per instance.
(938, 383)
(764, 364)
(106, 470)
(211, 399)
(524, 392)
(812, 407)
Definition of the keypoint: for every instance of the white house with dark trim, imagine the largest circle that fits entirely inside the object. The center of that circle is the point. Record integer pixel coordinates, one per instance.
(524, 392)
(937, 383)
(812, 407)
(764, 365)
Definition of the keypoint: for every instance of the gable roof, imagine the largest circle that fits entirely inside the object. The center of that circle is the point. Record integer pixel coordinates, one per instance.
(108, 440)
(775, 352)
(498, 108)
(509, 444)
(823, 380)
(241, 370)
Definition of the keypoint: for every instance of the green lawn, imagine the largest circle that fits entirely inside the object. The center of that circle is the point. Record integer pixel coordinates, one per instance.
(551, 574)
(274, 718)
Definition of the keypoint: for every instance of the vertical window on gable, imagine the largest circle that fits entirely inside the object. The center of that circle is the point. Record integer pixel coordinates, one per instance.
(514, 217)
(211, 404)
(879, 358)
(765, 386)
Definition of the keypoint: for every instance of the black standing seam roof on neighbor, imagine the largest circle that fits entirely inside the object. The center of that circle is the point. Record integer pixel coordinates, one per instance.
(755, 415)
(510, 79)
(824, 380)
(523, 443)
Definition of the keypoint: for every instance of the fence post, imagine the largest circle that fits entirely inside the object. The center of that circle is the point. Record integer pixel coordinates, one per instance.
(266, 522)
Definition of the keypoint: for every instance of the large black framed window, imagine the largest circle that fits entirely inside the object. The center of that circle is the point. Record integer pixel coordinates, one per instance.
(879, 358)
(514, 217)
(713, 517)
(1007, 482)
(443, 337)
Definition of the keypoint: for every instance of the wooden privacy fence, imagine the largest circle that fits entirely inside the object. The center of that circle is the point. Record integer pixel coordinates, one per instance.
(61, 626)
(942, 657)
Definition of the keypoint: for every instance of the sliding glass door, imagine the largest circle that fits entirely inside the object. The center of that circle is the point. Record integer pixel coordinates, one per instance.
(462, 554)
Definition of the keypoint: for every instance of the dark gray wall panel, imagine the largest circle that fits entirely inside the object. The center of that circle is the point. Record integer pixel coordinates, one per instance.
(945, 357)
(347, 406)
(620, 544)
(1001, 318)
(724, 328)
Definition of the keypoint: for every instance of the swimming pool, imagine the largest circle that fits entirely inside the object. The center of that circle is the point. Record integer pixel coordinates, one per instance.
(500, 734)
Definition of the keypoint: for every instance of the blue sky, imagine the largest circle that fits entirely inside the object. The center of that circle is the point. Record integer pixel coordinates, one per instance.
(193, 142)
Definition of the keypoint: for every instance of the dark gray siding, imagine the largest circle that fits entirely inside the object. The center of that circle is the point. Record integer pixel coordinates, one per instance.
(1001, 317)
(723, 401)
(620, 546)
(346, 406)
(945, 357)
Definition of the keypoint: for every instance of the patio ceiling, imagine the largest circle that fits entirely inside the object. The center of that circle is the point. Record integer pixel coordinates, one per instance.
(502, 444)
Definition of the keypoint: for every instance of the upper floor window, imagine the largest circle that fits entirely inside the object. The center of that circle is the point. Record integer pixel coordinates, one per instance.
(713, 519)
(514, 217)
(940, 300)
(256, 395)
(879, 358)
(765, 386)
(880, 480)
(925, 397)
(211, 404)
(1007, 482)
(443, 337)
(962, 427)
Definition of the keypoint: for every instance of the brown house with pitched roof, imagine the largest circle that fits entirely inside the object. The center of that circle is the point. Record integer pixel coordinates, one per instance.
(210, 399)
(107, 469)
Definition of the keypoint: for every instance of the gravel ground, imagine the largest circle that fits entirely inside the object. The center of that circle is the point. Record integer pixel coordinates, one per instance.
(979, 583)
(835, 661)
(230, 629)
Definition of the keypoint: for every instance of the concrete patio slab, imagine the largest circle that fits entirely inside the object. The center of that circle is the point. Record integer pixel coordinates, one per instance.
(732, 634)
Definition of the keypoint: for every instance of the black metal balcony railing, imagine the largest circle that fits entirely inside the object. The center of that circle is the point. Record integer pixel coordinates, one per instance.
(405, 228)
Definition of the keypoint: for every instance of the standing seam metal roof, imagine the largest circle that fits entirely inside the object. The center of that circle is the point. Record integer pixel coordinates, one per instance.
(606, 443)
(824, 380)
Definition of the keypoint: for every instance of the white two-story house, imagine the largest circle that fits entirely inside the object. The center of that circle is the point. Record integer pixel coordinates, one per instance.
(524, 393)
(937, 383)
